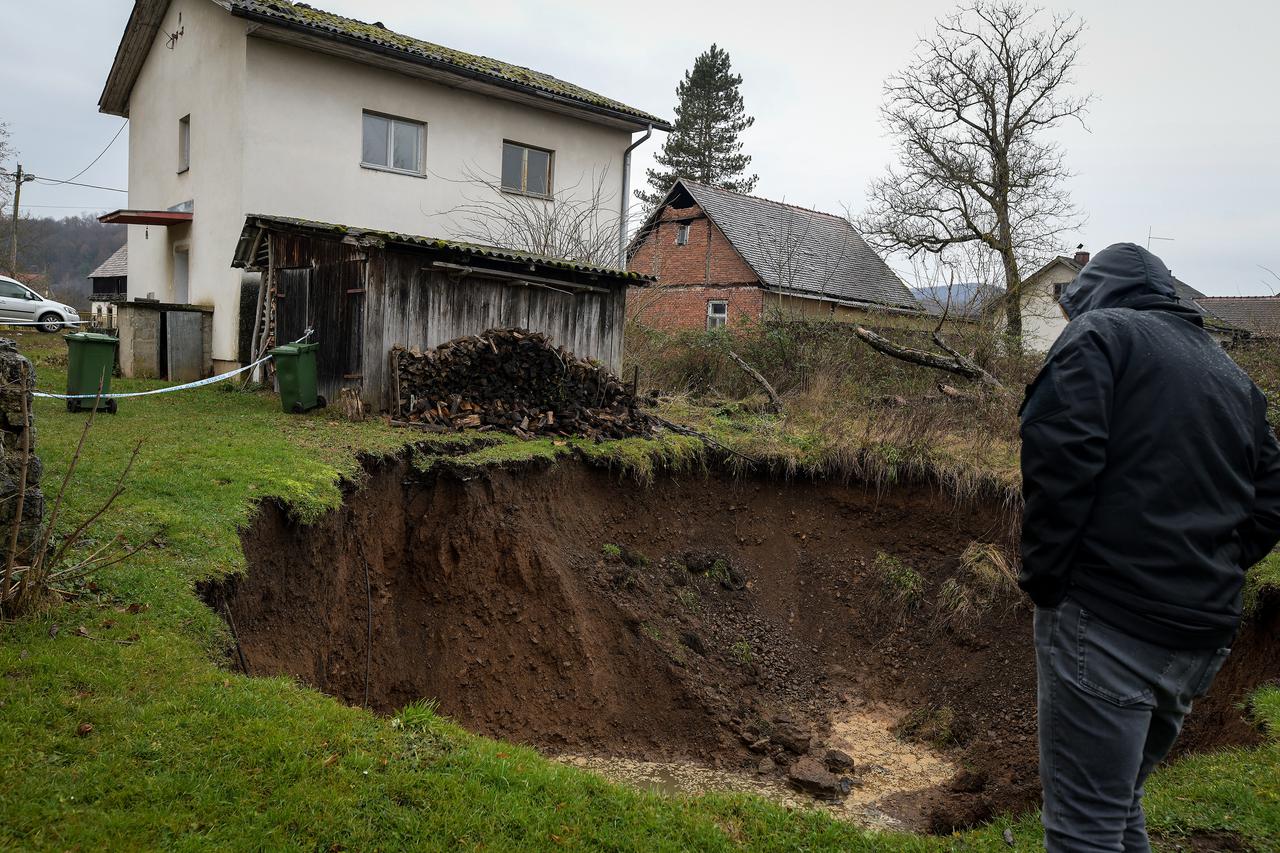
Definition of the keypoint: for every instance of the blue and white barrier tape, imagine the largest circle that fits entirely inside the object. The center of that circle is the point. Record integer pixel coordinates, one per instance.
(221, 377)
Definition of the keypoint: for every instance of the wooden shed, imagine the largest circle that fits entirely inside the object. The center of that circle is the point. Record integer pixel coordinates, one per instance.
(364, 291)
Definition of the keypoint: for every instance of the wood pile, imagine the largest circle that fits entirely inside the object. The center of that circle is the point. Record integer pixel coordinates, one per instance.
(513, 380)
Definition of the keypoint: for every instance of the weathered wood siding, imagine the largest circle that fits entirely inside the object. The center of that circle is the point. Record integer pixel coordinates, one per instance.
(362, 302)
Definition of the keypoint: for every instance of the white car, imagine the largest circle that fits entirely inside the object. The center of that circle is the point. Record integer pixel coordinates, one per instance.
(21, 304)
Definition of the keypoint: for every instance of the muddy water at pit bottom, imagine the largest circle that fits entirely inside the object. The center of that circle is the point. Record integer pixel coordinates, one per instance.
(885, 766)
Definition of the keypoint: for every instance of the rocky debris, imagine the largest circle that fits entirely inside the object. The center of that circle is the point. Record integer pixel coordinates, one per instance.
(807, 774)
(838, 761)
(790, 735)
(514, 380)
(693, 643)
(766, 766)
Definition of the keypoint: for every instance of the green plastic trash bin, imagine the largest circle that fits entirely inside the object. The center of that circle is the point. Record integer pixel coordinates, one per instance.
(296, 376)
(91, 358)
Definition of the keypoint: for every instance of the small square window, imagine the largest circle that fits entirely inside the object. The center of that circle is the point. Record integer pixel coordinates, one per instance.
(682, 234)
(717, 314)
(525, 169)
(392, 143)
(184, 144)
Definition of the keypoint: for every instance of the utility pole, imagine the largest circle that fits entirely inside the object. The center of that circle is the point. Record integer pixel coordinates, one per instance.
(18, 180)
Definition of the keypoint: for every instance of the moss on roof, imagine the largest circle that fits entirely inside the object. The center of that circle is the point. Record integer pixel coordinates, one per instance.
(474, 249)
(501, 73)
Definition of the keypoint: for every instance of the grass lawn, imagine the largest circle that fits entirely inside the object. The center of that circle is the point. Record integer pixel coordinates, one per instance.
(184, 754)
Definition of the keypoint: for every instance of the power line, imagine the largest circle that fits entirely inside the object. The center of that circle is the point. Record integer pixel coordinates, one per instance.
(95, 159)
(48, 182)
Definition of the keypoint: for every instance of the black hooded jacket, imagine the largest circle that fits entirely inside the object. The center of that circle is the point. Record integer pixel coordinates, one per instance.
(1150, 477)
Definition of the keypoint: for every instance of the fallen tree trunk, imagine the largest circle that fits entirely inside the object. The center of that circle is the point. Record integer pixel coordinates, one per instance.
(775, 402)
(952, 362)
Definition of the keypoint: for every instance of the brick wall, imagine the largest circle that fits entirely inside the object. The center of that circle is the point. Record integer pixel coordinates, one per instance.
(674, 307)
(690, 275)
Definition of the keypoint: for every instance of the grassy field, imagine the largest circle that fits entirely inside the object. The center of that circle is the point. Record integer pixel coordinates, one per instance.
(184, 754)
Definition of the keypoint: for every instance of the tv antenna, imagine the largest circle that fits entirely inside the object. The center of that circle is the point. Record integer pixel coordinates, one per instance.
(1151, 237)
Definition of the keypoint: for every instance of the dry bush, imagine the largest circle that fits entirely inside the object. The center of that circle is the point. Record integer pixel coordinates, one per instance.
(34, 573)
(992, 568)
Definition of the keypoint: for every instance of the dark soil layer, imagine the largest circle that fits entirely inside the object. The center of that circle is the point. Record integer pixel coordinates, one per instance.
(725, 616)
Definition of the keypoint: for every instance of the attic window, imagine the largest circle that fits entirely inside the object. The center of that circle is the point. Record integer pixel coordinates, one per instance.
(394, 144)
(184, 144)
(525, 169)
(1057, 291)
(682, 234)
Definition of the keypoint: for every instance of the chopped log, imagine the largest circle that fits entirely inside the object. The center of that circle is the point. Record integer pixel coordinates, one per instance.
(518, 381)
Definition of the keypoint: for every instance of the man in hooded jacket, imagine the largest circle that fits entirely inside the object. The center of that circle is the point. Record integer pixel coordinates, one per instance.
(1151, 482)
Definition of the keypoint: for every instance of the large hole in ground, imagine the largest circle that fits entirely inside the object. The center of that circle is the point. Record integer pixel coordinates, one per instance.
(701, 631)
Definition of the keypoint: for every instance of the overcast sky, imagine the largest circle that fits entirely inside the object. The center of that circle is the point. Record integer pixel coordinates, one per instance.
(1183, 139)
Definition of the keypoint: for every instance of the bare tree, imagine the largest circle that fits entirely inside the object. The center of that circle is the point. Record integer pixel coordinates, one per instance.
(576, 223)
(970, 116)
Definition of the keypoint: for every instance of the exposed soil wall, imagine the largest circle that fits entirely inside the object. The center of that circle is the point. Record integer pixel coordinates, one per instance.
(734, 615)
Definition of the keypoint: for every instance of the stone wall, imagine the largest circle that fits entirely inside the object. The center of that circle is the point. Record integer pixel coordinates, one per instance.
(17, 379)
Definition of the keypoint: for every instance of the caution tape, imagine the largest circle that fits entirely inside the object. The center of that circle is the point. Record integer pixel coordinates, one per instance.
(222, 377)
(43, 323)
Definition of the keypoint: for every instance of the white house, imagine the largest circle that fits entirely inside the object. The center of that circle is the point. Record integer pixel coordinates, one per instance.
(269, 107)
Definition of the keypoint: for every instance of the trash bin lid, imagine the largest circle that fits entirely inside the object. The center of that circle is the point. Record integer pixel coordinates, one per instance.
(93, 337)
(293, 349)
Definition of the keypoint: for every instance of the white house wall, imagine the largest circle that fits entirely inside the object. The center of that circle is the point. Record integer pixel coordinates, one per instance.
(303, 126)
(202, 76)
(1042, 319)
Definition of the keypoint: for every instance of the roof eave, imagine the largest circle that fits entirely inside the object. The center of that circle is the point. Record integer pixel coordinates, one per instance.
(135, 44)
(634, 121)
(255, 222)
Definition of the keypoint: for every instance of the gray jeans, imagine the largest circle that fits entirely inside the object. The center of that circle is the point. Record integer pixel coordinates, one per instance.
(1110, 708)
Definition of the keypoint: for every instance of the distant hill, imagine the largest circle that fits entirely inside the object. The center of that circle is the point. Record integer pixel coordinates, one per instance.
(62, 252)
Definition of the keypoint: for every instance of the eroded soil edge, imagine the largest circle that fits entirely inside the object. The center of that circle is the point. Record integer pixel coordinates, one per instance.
(704, 618)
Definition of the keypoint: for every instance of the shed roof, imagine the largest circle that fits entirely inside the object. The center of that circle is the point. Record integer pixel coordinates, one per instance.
(794, 249)
(321, 30)
(542, 264)
(1258, 315)
(116, 266)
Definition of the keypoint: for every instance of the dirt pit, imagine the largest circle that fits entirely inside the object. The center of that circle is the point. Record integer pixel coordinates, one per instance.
(704, 632)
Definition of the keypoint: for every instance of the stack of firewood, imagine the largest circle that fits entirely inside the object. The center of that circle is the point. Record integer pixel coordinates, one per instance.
(513, 380)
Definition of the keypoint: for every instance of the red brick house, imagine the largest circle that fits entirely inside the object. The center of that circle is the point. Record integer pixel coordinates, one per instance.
(723, 259)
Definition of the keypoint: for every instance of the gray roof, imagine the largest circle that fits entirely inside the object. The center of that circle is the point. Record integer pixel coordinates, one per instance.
(116, 266)
(1259, 315)
(797, 250)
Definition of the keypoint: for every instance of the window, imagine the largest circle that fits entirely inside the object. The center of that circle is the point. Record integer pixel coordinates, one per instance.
(184, 144)
(1057, 291)
(525, 169)
(717, 314)
(13, 290)
(394, 144)
(682, 234)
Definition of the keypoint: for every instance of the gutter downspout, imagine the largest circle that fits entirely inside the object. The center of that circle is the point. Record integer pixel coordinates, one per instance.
(626, 197)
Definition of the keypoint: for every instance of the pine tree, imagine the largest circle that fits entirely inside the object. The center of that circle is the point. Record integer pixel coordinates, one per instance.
(704, 145)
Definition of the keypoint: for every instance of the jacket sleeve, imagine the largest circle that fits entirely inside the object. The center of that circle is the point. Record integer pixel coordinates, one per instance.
(1065, 427)
(1261, 533)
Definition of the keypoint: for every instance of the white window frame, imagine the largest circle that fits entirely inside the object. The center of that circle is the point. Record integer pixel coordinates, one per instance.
(717, 320)
(184, 144)
(392, 121)
(682, 233)
(524, 169)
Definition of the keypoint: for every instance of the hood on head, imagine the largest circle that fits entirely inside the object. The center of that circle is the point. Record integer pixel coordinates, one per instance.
(1119, 276)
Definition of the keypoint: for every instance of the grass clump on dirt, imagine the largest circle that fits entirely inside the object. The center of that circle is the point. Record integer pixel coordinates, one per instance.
(183, 753)
(902, 585)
